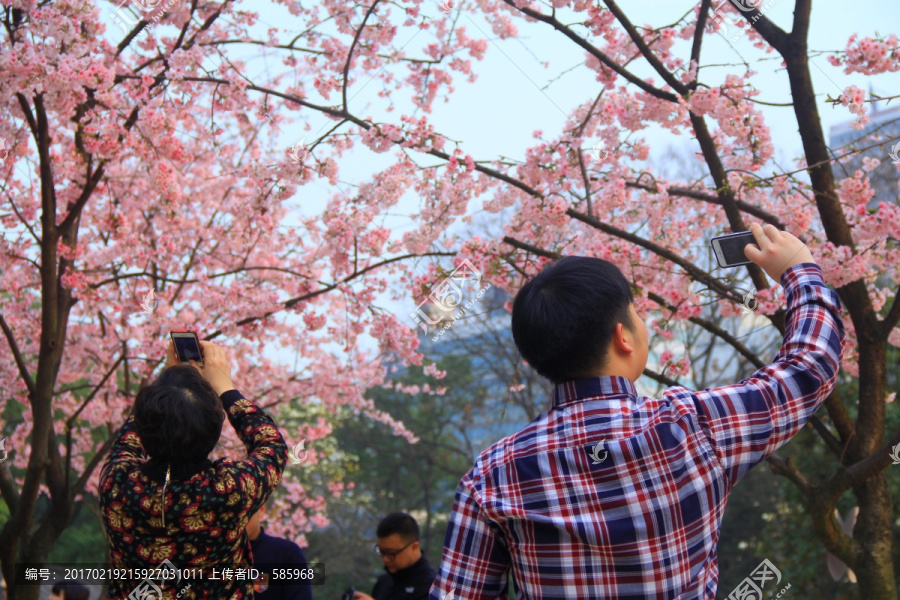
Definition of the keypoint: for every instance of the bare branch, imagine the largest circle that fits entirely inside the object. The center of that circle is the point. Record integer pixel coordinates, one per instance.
(17, 356)
(645, 50)
(603, 58)
(786, 468)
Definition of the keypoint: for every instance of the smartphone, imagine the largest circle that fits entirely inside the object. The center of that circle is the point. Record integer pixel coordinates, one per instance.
(187, 346)
(729, 249)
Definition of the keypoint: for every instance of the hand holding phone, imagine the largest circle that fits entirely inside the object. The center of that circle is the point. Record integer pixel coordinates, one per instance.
(773, 250)
(216, 370)
(207, 357)
(777, 251)
(729, 248)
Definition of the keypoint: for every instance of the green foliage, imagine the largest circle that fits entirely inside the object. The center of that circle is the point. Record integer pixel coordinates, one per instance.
(81, 543)
(390, 474)
(765, 512)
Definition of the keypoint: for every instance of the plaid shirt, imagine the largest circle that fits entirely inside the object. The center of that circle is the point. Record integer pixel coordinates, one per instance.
(616, 496)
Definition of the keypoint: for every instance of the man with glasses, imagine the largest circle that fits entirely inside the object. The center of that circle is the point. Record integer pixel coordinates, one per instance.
(409, 574)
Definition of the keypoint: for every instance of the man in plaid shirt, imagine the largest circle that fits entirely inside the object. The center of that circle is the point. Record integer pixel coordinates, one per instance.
(616, 496)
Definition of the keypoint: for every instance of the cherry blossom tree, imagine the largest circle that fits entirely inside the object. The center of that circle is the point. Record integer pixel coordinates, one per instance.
(141, 194)
(157, 161)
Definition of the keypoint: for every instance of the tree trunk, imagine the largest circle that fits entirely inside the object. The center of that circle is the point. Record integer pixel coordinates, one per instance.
(874, 532)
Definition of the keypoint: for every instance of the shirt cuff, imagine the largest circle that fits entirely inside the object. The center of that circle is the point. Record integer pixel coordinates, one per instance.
(802, 273)
(804, 283)
(229, 398)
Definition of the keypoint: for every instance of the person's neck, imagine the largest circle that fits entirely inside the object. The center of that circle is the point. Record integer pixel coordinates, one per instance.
(619, 369)
(252, 537)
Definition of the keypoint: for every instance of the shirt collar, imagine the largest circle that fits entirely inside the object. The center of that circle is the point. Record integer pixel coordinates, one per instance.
(591, 387)
(259, 538)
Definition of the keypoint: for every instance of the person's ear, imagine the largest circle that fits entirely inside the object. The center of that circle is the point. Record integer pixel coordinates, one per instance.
(623, 339)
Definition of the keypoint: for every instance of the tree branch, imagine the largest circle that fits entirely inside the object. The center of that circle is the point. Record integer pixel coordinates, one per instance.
(603, 58)
(832, 442)
(893, 315)
(711, 199)
(857, 473)
(786, 468)
(17, 356)
(293, 301)
(645, 50)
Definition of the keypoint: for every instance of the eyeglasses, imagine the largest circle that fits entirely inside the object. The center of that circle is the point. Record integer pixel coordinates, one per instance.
(391, 554)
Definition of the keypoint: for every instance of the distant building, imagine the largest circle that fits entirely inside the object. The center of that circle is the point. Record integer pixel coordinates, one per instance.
(884, 125)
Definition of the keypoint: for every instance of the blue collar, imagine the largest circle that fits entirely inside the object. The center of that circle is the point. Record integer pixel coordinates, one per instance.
(592, 387)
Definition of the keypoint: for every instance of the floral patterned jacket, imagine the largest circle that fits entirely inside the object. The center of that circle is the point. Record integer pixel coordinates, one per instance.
(204, 517)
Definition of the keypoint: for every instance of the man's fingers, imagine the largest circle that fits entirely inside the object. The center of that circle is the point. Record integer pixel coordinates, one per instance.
(773, 233)
(752, 253)
(762, 237)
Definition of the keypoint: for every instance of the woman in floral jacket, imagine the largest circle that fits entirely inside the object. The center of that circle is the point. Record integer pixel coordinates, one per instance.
(165, 504)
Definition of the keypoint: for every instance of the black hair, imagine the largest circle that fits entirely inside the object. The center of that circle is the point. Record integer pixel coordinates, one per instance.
(73, 590)
(563, 319)
(399, 522)
(178, 417)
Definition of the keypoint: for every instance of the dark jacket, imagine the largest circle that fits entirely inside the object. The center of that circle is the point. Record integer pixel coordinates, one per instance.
(411, 583)
(274, 552)
(206, 508)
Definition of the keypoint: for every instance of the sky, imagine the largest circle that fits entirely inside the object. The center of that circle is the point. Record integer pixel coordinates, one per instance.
(516, 94)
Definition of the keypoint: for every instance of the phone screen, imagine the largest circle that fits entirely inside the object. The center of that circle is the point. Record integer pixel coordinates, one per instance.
(732, 248)
(187, 348)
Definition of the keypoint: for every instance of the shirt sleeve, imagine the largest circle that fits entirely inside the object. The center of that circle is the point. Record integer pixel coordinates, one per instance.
(475, 561)
(748, 421)
(259, 473)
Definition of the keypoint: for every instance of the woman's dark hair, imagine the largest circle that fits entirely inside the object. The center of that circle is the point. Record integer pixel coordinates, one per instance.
(178, 417)
(399, 522)
(73, 590)
(563, 319)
